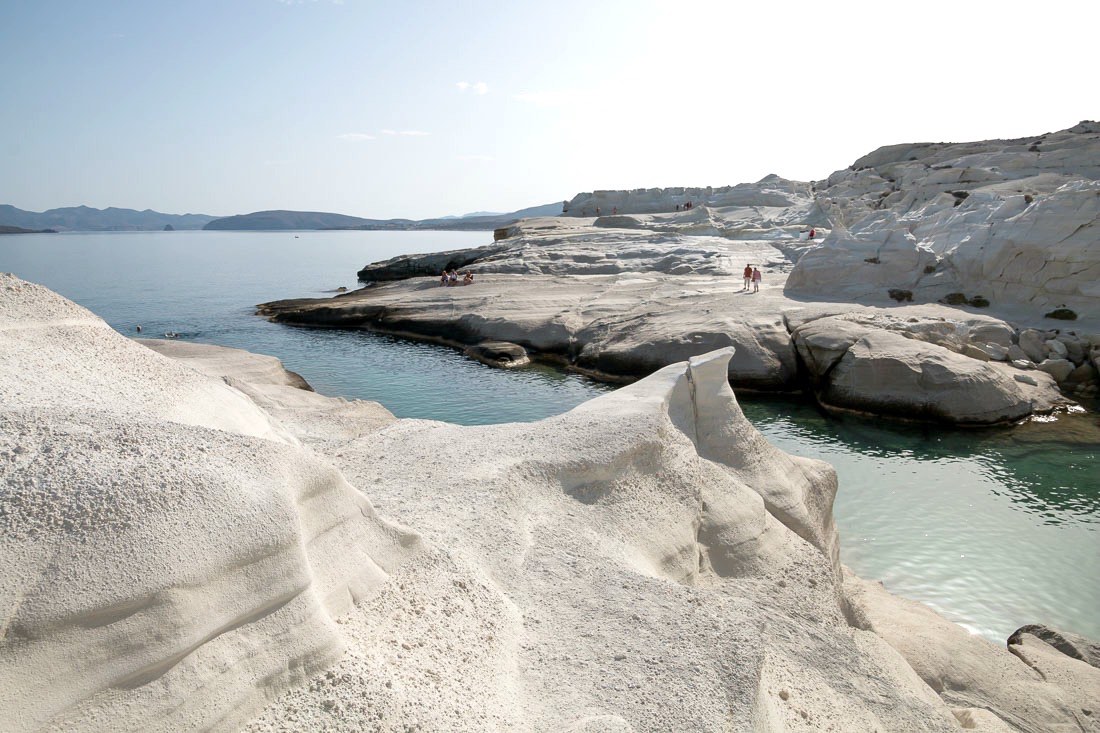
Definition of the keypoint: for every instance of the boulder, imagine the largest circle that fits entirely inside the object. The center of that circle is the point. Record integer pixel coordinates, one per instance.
(499, 354)
(1076, 350)
(1000, 334)
(1072, 645)
(1032, 343)
(996, 352)
(1056, 349)
(886, 373)
(1060, 369)
(1015, 353)
(1049, 691)
(976, 352)
(1084, 373)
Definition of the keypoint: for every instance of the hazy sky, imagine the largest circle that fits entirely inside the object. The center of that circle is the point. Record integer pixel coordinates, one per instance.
(430, 108)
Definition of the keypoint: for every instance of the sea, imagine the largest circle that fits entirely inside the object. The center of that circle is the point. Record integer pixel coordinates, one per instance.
(994, 528)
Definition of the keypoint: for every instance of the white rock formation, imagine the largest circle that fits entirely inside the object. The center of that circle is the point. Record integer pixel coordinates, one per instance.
(632, 324)
(1014, 221)
(169, 556)
(916, 368)
(644, 562)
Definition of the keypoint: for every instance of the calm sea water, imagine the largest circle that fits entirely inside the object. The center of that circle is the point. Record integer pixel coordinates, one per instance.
(994, 528)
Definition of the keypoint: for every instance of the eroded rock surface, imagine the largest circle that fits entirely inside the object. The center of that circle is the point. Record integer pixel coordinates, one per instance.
(1014, 221)
(644, 562)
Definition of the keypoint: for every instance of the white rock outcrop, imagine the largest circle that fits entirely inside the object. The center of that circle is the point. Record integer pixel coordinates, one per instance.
(917, 368)
(170, 557)
(644, 562)
(1016, 222)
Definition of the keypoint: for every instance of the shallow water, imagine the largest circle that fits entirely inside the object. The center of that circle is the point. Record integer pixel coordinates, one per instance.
(994, 528)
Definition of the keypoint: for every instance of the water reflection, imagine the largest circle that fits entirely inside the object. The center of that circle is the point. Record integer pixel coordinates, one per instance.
(1046, 469)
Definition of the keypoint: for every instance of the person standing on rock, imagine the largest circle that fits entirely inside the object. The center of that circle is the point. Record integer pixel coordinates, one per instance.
(748, 276)
(756, 278)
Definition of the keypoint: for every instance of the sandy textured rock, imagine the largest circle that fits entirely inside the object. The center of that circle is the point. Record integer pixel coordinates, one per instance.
(644, 562)
(1015, 221)
(626, 324)
(170, 557)
(1038, 690)
(223, 362)
(887, 373)
(909, 367)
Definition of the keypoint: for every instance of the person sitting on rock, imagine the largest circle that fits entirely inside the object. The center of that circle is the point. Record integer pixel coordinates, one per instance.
(452, 279)
(748, 276)
(469, 279)
(813, 232)
(443, 280)
(756, 278)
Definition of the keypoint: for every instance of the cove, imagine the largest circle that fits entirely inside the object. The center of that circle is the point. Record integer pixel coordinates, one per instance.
(993, 528)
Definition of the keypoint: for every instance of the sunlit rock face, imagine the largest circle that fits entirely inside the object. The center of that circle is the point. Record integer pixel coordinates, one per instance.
(1014, 222)
(187, 544)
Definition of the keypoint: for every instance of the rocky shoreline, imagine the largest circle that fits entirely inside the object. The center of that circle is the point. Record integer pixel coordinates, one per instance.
(221, 549)
(848, 356)
(949, 282)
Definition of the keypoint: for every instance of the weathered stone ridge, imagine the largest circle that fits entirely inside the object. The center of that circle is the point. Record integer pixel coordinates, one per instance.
(188, 544)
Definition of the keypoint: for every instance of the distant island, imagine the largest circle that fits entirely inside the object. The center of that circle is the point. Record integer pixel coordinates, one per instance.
(4, 229)
(87, 219)
(298, 220)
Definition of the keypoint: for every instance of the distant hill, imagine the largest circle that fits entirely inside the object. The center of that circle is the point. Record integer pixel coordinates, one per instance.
(87, 219)
(5, 229)
(281, 220)
(284, 220)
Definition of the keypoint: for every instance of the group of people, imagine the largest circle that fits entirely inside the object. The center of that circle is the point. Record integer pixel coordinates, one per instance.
(450, 277)
(686, 207)
(753, 277)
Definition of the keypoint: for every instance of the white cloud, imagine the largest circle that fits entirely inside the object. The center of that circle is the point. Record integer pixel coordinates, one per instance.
(477, 88)
(413, 133)
(355, 136)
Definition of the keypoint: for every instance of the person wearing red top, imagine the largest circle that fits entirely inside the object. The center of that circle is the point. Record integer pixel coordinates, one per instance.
(748, 276)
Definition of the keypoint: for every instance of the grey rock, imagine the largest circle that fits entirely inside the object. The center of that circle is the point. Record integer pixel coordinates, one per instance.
(1057, 349)
(1023, 364)
(1060, 369)
(996, 352)
(1015, 353)
(1032, 343)
(499, 354)
(1026, 379)
(1084, 373)
(886, 373)
(993, 333)
(974, 352)
(1076, 351)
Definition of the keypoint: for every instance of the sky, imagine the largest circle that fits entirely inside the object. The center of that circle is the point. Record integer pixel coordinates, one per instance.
(422, 109)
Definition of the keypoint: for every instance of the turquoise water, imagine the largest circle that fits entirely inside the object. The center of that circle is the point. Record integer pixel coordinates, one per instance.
(993, 528)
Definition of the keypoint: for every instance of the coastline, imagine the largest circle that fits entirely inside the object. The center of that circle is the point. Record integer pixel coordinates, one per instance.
(630, 540)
